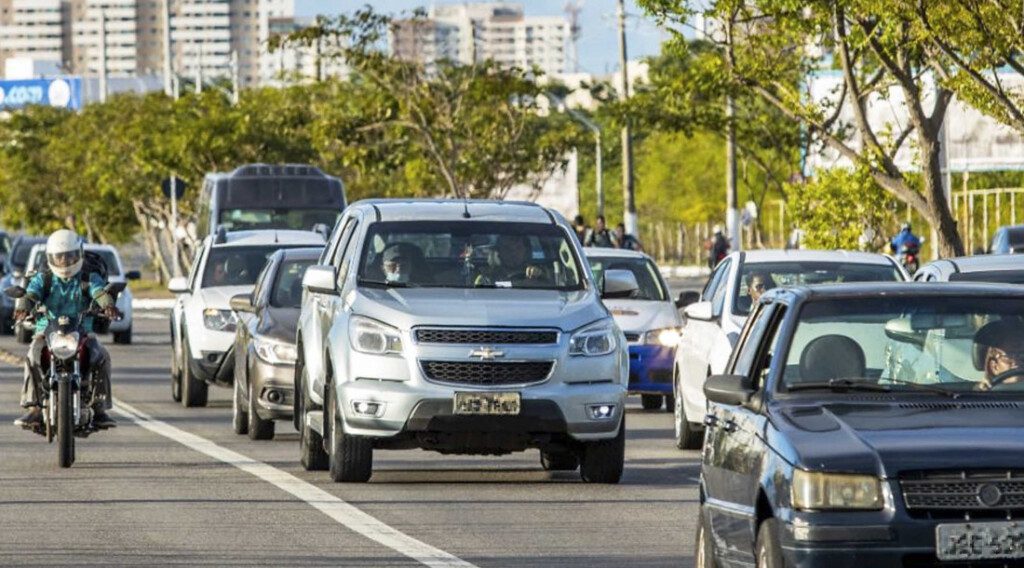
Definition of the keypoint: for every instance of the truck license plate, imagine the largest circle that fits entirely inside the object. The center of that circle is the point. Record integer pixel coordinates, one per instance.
(978, 541)
(489, 403)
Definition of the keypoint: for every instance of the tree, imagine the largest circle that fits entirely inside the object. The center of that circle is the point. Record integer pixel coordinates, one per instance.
(768, 49)
(838, 207)
(477, 127)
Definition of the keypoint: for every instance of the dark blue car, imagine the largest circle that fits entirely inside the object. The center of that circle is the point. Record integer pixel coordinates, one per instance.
(869, 426)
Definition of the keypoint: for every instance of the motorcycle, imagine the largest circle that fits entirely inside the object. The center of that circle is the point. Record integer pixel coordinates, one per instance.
(67, 393)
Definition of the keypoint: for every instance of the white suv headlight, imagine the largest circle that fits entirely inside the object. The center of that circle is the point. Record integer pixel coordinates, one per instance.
(219, 320)
(373, 337)
(275, 352)
(666, 337)
(597, 339)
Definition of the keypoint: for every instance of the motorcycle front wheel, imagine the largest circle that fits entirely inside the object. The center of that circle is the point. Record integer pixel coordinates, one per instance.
(65, 427)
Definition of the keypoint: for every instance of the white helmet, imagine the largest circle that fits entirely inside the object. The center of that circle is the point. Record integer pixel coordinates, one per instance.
(64, 253)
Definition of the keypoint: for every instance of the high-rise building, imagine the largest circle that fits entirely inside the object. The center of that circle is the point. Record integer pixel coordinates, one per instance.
(208, 37)
(476, 32)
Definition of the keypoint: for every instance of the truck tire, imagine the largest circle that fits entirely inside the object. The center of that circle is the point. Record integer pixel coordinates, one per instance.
(351, 457)
(603, 461)
(559, 461)
(768, 551)
(651, 401)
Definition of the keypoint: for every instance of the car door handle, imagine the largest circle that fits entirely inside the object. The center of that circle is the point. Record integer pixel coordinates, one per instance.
(711, 421)
(729, 426)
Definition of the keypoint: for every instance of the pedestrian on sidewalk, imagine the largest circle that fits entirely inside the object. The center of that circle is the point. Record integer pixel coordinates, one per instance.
(625, 240)
(600, 237)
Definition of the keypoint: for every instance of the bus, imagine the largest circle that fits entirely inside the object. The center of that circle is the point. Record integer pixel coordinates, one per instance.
(262, 196)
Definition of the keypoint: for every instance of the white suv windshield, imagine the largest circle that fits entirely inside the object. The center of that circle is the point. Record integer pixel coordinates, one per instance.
(757, 278)
(469, 254)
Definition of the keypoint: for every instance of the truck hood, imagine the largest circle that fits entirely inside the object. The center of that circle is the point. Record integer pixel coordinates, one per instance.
(886, 438)
(405, 308)
(638, 316)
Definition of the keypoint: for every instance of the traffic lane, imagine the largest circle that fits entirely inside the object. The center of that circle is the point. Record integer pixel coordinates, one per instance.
(491, 511)
(460, 503)
(135, 498)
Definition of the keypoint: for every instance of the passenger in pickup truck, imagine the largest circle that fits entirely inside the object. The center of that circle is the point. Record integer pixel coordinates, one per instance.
(998, 349)
(509, 261)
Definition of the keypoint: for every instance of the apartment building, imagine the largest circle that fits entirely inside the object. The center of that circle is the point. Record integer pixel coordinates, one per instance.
(476, 32)
(32, 28)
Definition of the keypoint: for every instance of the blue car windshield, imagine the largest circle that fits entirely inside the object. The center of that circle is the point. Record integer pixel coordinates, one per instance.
(958, 343)
(650, 286)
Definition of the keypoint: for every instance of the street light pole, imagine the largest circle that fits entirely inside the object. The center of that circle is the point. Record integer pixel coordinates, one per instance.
(628, 195)
(103, 55)
(596, 130)
(732, 213)
(169, 88)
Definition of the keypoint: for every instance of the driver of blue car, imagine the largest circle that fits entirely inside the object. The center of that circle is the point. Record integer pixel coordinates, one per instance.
(998, 350)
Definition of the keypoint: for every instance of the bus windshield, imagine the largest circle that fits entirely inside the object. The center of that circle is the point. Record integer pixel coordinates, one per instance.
(297, 219)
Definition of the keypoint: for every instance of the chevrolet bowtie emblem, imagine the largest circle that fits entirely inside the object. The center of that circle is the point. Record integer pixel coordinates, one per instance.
(486, 353)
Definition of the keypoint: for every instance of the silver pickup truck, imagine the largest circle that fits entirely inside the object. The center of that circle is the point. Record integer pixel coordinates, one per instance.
(464, 328)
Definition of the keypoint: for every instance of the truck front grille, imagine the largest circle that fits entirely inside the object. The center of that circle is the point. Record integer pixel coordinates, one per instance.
(963, 490)
(487, 373)
(486, 336)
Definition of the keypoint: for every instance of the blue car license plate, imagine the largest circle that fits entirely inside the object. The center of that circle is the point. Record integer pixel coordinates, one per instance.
(979, 541)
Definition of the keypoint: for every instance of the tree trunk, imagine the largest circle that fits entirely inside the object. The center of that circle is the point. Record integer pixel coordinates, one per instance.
(950, 244)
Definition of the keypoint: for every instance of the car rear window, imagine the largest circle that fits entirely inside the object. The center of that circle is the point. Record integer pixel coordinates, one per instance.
(996, 276)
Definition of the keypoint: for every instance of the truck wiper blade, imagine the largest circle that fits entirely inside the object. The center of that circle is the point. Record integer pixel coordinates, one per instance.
(841, 384)
(387, 284)
(925, 388)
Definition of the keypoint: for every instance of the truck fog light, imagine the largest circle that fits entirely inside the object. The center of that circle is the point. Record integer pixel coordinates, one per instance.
(367, 408)
(600, 411)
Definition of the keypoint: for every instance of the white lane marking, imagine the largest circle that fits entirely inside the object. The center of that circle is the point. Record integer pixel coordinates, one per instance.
(335, 508)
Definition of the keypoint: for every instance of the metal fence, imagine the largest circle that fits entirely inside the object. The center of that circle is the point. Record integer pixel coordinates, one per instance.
(979, 212)
(685, 243)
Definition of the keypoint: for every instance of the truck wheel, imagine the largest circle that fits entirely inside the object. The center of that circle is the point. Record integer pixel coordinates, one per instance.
(239, 417)
(768, 550)
(351, 457)
(259, 429)
(559, 461)
(603, 461)
(650, 401)
(311, 444)
(194, 392)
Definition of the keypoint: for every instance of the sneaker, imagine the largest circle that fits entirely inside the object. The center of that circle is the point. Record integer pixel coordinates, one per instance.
(31, 419)
(103, 420)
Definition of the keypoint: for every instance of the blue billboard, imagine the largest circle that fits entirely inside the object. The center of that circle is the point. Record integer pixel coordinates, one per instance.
(63, 92)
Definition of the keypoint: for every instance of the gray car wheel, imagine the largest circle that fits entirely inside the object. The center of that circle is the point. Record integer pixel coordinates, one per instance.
(239, 417)
(259, 429)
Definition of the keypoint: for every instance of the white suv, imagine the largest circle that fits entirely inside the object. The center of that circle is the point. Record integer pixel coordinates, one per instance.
(463, 328)
(202, 322)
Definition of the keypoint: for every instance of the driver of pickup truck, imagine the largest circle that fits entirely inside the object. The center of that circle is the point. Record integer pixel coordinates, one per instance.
(999, 348)
(510, 261)
(401, 262)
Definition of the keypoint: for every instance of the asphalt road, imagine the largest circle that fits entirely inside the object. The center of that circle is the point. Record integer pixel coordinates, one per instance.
(175, 486)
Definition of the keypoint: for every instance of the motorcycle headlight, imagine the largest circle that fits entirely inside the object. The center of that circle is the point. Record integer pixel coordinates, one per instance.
(275, 352)
(824, 491)
(666, 337)
(63, 345)
(219, 320)
(373, 337)
(594, 340)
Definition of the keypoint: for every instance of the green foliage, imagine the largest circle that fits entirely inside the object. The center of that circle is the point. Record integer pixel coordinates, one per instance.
(838, 206)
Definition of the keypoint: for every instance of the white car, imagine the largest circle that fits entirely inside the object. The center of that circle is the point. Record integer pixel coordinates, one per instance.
(202, 321)
(120, 330)
(712, 325)
(649, 318)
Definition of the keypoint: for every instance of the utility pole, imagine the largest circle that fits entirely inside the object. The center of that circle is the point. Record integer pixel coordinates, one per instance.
(103, 55)
(628, 195)
(169, 88)
(235, 94)
(199, 71)
(732, 213)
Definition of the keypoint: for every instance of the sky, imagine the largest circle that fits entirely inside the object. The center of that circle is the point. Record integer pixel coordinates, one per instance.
(598, 43)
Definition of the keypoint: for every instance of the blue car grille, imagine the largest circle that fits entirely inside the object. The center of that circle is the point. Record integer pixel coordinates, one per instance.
(963, 490)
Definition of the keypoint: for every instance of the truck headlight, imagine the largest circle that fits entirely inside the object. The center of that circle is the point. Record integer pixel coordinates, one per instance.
(275, 352)
(666, 337)
(374, 337)
(818, 491)
(594, 340)
(219, 320)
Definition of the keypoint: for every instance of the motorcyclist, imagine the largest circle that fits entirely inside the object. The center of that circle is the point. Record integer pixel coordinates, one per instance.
(718, 249)
(69, 293)
(905, 240)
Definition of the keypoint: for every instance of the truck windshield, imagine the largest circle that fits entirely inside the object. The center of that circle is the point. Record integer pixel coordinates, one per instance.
(958, 344)
(296, 219)
(470, 254)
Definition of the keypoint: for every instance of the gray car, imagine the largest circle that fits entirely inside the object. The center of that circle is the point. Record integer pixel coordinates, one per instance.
(265, 343)
(463, 328)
